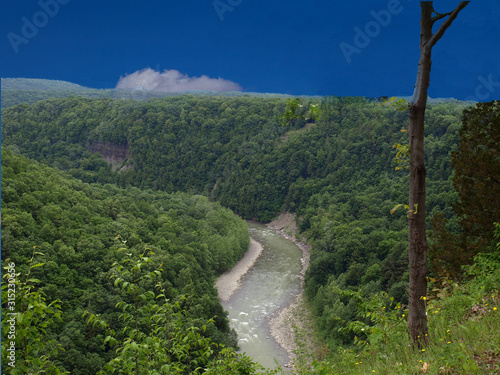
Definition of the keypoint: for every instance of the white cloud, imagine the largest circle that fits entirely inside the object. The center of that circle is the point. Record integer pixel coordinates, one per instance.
(173, 81)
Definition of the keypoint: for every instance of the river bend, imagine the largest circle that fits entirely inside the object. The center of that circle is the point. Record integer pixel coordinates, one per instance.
(267, 287)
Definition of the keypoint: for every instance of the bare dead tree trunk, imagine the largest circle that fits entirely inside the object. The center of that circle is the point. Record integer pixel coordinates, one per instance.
(417, 239)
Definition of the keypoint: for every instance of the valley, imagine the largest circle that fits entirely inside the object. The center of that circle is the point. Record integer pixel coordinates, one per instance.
(89, 184)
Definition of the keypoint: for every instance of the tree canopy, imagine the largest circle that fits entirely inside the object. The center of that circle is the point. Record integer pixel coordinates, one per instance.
(337, 174)
(78, 230)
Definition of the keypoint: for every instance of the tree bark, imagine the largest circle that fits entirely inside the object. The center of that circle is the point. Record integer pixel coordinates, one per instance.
(417, 239)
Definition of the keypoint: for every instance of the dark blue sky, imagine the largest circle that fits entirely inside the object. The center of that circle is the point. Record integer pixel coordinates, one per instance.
(294, 47)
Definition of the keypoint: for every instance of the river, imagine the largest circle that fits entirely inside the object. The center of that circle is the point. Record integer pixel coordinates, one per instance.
(268, 286)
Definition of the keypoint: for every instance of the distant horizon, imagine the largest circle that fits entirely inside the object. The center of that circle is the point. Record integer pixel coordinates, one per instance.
(222, 92)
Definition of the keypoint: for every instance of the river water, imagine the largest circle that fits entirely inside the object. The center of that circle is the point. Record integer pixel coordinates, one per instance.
(268, 286)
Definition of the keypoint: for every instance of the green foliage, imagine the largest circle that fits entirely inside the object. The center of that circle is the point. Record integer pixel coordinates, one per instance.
(461, 317)
(156, 339)
(80, 227)
(352, 232)
(400, 103)
(402, 156)
(298, 111)
(231, 149)
(337, 174)
(484, 270)
(229, 362)
(406, 207)
(461, 321)
(26, 318)
(293, 111)
(477, 167)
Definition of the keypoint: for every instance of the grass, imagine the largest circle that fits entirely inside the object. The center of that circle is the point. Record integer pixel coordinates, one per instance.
(464, 332)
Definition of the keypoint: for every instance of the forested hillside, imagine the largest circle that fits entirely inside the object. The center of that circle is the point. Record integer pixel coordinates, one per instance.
(28, 91)
(337, 173)
(79, 228)
(235, 149)
(341, 169)
(23, 90)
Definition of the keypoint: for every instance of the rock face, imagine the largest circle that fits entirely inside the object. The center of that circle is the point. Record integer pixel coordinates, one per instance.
(117, 155)
(285, 224)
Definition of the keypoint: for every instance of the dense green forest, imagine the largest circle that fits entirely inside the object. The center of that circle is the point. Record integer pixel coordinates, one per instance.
(337, 168)
(337, 174)
(79, 228)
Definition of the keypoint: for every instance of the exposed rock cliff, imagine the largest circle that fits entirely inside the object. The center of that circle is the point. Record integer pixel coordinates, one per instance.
(117, 155)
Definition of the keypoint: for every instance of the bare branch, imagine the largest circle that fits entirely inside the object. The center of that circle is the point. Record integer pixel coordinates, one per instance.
(438, 34)
(439, 16)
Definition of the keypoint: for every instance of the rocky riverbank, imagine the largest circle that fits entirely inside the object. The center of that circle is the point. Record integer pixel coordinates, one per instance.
(291, 326)
(229, 281)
